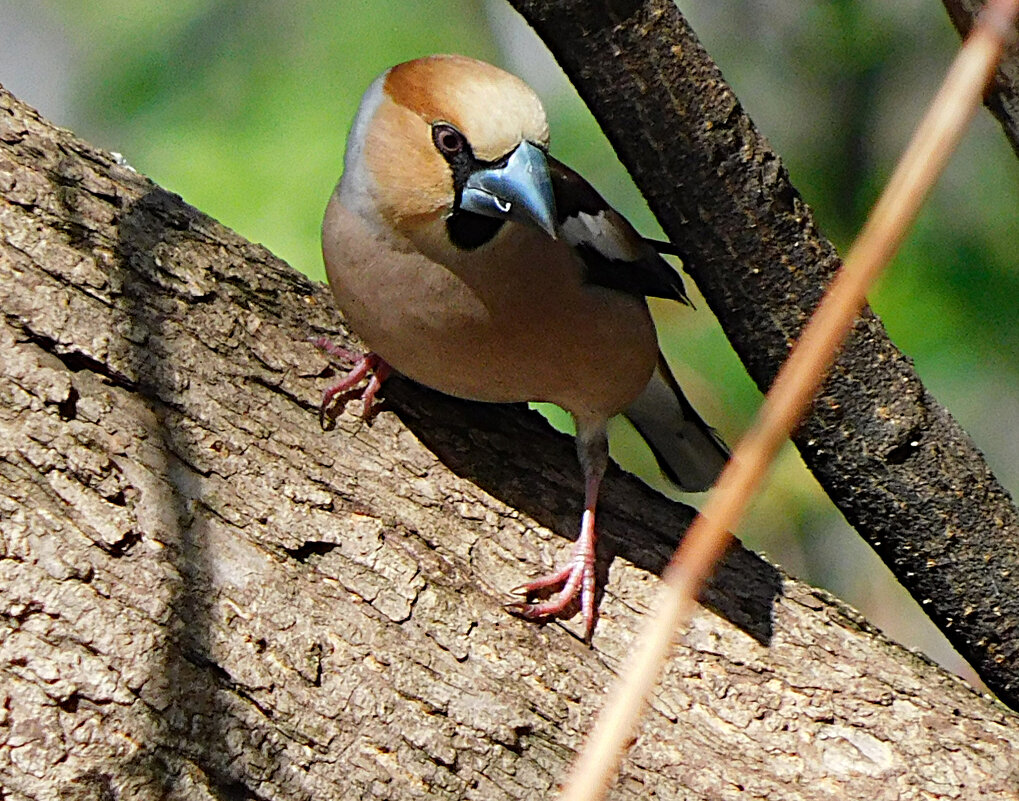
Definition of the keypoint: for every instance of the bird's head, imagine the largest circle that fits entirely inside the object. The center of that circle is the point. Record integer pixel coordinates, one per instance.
(446, 149)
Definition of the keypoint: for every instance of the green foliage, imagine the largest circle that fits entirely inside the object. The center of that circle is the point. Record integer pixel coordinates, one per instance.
(243, 107)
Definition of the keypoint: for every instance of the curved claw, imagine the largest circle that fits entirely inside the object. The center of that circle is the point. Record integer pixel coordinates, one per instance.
(362, 366)
(578, 584)
(337, 351)
(549, 580)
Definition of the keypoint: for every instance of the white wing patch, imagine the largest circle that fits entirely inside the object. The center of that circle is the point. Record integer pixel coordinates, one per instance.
(607, 232)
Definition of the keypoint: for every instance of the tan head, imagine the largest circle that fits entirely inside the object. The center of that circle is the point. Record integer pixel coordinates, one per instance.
(400, 168)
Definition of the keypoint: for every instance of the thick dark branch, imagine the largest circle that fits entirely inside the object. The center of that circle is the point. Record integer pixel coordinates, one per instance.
(1003, 99)
(894, 461)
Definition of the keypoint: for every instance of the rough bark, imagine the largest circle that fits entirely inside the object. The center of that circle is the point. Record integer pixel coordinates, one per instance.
(1003, 99)
(202, 595)
(894, 461)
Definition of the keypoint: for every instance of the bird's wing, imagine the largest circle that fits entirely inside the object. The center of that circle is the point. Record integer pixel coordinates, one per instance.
(614, 254)
(689, 452)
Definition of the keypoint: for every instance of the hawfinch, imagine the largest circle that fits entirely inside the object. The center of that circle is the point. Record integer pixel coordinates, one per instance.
(470, 260)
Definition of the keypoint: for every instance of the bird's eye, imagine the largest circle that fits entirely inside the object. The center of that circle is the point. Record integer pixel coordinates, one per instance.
(448, 140)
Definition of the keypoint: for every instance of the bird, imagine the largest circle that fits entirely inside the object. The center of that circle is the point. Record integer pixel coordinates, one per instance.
(472, 261)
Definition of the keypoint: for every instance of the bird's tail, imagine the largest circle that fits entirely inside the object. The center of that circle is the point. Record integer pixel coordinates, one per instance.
(689, 451)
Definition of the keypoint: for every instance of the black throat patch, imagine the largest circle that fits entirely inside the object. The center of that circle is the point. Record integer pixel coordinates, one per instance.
(469, 231)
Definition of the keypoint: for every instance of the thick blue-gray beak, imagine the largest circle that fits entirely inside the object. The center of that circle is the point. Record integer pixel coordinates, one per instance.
(519, 190)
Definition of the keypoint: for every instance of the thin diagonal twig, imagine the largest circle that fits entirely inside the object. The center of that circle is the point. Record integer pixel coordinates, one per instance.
(935, 139)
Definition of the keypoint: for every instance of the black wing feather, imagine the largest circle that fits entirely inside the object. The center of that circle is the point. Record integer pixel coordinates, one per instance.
(619, 258)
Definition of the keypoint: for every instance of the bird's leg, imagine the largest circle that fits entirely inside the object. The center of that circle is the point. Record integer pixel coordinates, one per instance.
(380, 370)
(362, 366)
(577, 577)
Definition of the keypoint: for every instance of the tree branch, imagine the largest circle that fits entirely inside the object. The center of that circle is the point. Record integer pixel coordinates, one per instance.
(1003, 101)
(204, 595)
(892, 459)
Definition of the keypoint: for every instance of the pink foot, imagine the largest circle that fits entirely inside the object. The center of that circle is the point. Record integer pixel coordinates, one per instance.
(340, 352)
(577, 579)
(362, 366)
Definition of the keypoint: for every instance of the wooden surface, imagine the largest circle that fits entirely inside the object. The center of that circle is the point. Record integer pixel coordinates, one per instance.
(205, 596)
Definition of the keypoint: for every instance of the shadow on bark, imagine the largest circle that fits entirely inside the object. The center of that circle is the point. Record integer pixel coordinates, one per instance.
(462, 434)
(192, 691)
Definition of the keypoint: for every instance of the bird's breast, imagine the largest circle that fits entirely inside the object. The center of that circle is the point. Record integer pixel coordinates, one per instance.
(510, 322)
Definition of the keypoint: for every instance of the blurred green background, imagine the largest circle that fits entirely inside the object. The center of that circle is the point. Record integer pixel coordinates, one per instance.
(243, 108)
